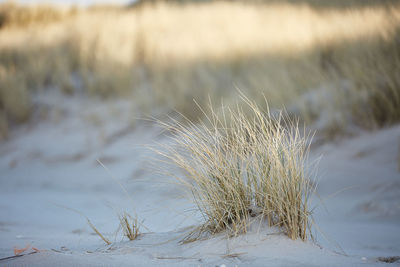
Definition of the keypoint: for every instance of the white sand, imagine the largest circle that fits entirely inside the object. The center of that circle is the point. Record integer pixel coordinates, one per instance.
(51, 166)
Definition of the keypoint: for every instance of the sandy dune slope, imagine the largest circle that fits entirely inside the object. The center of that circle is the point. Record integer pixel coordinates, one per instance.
(50, 168)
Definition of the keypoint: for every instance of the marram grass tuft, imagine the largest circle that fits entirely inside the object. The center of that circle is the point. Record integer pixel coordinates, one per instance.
(239, 165)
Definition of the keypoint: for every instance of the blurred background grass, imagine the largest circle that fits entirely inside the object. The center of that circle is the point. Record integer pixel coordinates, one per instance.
(335, 64)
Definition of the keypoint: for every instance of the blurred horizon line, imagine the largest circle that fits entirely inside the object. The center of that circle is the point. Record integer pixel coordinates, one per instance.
(67, 3)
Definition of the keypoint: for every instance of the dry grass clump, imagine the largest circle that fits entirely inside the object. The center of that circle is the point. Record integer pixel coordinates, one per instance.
(238, 166)
(376, 81)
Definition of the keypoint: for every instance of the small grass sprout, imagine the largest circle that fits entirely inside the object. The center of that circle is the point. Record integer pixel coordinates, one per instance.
(129, 226)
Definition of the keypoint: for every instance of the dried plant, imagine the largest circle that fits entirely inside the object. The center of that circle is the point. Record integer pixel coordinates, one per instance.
(129, 226)
(237, 166)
